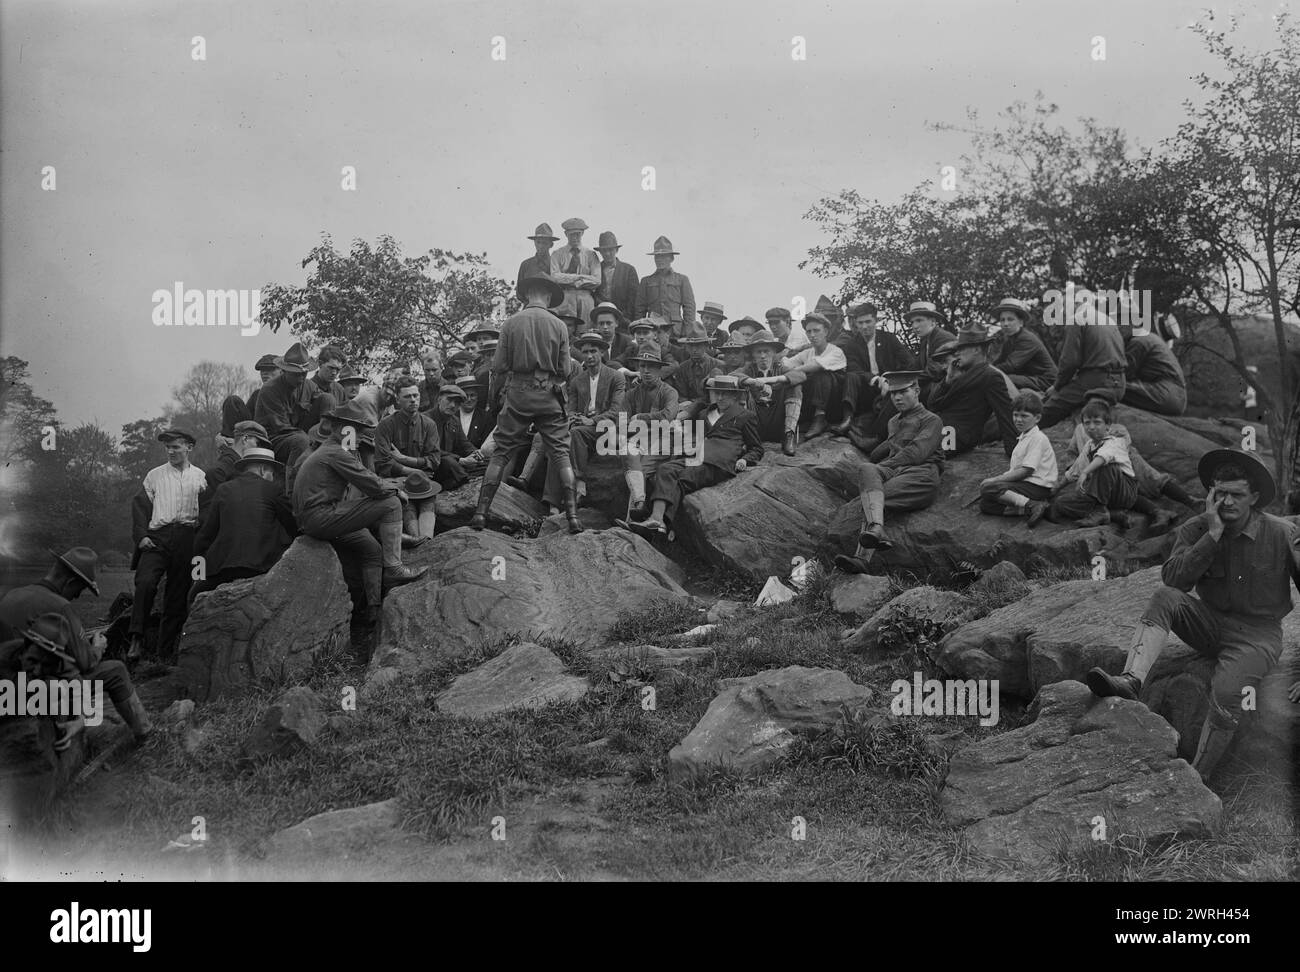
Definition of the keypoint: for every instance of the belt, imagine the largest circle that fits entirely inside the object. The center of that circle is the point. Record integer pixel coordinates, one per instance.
(1109, 371)
(175, 523)
(541, 377)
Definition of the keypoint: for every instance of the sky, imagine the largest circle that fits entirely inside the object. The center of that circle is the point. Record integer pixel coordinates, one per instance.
(223, 173)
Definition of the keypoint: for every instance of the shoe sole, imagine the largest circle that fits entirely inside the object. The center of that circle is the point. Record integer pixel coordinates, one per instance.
(1101, 687)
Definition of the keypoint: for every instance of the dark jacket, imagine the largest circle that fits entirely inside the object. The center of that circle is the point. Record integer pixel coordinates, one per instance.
(1245, 575)
(249, 525)
(934, 370)
(966, 402)
(141, 514)
(1090, 347)
(734, 436)
(1024, 354)
(668, 294)
(528, 268)
(222, 471)
(1151, 360)
(413, 441)
(622, 288)
(890, 353)
(282, 409)
(659, 402)
(611, 386)
(914, 439)
(23, 605)
(454, 440)
(688, 376)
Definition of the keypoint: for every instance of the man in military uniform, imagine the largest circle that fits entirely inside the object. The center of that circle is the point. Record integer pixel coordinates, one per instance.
(1241, 561)
(666, 292)
(1092, 356)
(540, 261)
(531, 366)
(289, 405)
(904, 470)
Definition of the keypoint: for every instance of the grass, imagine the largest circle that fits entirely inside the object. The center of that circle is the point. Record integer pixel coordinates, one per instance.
(584, 789)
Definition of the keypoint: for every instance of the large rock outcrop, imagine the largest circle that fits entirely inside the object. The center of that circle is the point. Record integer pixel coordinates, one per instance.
(512, 512)
(1084, 771)
(268, 626)
(756, 719)
(485, 586)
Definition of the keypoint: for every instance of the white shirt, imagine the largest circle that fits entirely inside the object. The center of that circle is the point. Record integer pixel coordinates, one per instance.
(1035, 451)
(174, 493)
(466, 420)
(832, 359)
(593, 381)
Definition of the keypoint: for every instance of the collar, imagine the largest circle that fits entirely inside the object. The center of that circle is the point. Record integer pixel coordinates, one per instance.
(1251, 528)
(1026, 432)
(48, 585)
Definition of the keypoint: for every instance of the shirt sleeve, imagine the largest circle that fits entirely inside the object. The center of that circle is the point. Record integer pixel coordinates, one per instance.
(929, 433)
(1194, 552)
(350, 468)
(1113, 450)
(832, 359)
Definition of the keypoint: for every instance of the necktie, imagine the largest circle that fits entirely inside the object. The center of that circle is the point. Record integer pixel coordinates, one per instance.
(573, 260)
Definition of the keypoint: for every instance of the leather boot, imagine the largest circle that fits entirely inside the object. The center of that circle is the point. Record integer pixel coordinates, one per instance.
(1216, 735)
(1036, 510)
(1148, 643)
(842, 427)
(488, 490)
(571, 509)
(133, 713)
(859, 563)
(401, 574)
(788, 443)
(818, 427)
(873, 536)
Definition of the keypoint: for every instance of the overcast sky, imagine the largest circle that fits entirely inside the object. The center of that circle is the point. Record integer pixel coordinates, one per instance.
(223, 173)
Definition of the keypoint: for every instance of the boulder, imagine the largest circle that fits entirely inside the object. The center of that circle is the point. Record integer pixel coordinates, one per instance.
(944, 609)
(860, 595)
(757, 523)
(292, 723)
(339, 833)
(484, 586)
(513, 511)
(1002, 577)
(525, 676)
(1051, 635)
(633, 659)
(1031, 793)
(756, 719)
(266, 627)
(591, 519)
(724, 609)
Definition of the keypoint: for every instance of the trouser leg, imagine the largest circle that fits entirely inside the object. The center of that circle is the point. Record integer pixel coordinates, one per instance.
(426, 518)
(148, 572)
(176, 595)
(362, 557)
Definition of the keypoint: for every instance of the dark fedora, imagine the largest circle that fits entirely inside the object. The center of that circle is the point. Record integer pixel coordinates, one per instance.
(745, 321)
(543, 232)
(417, 485)
(734, 344)
(264, 456)
(607, 307)
(351, 374)
(1257, 474)
(544, 279)
(355, 413)
(81, 561)
(608, 241)
(485, 330)
(663, 247)
(166, 435)
(296, 359)
(265, 363)
(967, 337)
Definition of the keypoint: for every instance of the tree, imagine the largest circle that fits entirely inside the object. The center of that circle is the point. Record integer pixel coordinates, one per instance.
(196, 406)
(23, 414)
(1236, 164)
(382, 308)
(138, 451)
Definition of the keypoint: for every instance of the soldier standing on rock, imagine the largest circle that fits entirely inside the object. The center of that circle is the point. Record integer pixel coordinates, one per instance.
(1241, 562)
(532, 363)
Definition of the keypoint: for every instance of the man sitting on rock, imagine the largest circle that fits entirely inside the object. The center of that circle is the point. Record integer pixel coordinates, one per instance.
(648, 400)
(904, 470)
(689, 376)
(869, 353)
(594, 396)
(777, 405)
(323, 511)
(409, 441)
(460, 458)
(248, 526)
(72, 573)
(1153, 377)
(1240, 561)
(972, 392)
(1021, 354)
(820, 368)
(730, 446)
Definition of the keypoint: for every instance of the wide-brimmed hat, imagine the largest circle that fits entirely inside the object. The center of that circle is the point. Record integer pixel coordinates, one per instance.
(321, 431)
(354, 412)
(733, 343)
(745, 321)
(296, 359)
(607, 307)
(255, 429)
(265, 363)
(825, 305)
(168, 434)
(1257, 474)
(780, 312)
(556, 291)
(714, 308)
(925, 308)
(649, 356)
(728, 383)
(765, 339)
(576, 223)
(663, 247)
(417, 485)
(81, 561)
(455, 391)
(349, 374)
(692, 333)
(265, 456)
(967, 337)
(591, 337)
(1011, 304)
(461, 357)
(485, 330)
(643, 324)
(898, 380)
(51, 631)
(543, 232)
(608, 241)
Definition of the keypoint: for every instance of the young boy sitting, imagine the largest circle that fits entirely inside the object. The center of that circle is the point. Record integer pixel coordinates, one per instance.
(1103, 474)
(1026, 486)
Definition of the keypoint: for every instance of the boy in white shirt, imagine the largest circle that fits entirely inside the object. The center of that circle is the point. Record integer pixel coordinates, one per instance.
(1103, 475)
(1026, 486)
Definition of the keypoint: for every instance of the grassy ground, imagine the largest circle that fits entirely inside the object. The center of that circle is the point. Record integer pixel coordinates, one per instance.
(581, 788)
